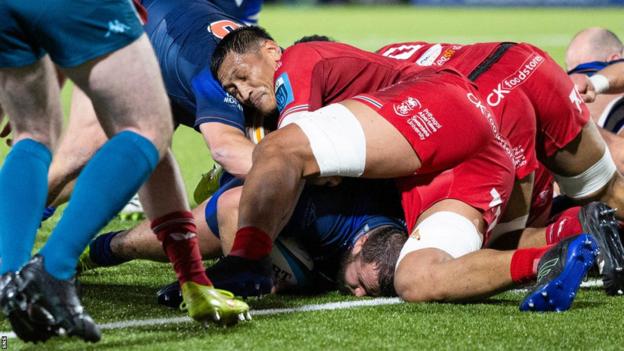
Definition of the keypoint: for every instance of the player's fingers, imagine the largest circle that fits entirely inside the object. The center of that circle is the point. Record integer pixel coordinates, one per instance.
(589, 96)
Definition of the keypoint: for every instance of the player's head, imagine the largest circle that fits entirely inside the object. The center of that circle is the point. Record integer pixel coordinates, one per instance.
(244, 62)
(313, 37)
(368, 269)
(593, 45)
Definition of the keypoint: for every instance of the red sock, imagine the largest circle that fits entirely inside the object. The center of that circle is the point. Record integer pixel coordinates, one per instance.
(251, 243)
(524, 262)
(176, 231)
(564, 225)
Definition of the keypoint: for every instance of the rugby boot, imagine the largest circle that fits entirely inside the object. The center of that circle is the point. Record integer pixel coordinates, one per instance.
(222, 277)
(15, 309)
(170, 295)
(242, 276)
(599, 220)
(133, 210)
(55, 302)
(207, 304)
(85, 263)
(208, 184)
(560, 273)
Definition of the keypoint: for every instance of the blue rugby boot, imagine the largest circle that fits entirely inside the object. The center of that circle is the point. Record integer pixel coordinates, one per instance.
(599, 220)
(560, 273)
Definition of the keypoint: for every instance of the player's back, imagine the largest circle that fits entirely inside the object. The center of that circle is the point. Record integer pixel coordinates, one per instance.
(463, 58)
(184, 35)
(315, 74)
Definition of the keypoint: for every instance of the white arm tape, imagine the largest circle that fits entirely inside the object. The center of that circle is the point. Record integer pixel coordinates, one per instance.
(591, 180)
(446, 231)
(336, 139)
(600, 83)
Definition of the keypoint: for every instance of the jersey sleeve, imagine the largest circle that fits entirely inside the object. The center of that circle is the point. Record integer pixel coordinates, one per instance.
(293, 81)
(214, 104)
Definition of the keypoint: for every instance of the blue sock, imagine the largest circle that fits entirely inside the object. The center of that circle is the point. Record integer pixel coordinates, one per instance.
(23, 190)
(106, 184)
(100, 251)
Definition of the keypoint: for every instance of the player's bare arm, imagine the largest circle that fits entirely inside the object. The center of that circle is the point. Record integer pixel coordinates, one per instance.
(229, 147)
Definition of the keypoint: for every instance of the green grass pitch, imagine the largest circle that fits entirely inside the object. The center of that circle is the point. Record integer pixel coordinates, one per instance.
(128, 292)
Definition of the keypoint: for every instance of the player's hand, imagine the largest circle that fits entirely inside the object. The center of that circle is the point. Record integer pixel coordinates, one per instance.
(584, 87)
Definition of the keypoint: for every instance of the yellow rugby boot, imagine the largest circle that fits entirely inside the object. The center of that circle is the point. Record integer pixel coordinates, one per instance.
(208, 304)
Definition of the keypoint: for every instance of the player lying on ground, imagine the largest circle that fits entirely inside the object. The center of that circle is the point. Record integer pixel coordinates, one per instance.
(101, 47)
(327, 224)
(391, 133)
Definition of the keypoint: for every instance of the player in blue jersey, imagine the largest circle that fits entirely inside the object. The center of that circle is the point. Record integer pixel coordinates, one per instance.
(183, 36)
(327, 224)
(590, 51)
(193, 98)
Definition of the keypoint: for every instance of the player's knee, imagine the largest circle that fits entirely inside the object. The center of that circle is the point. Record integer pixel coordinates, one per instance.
(280, 149)
(229, 200)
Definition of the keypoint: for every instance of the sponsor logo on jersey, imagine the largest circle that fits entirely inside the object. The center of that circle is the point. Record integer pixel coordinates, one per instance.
(230, 100)
(519, 159)
(401, 52)
(430, 56)
(487, 113)
(283, 91)
(514, 80)
(447, 55)
(424, 124)
(406, 107)
(576, 99)
(116, 27)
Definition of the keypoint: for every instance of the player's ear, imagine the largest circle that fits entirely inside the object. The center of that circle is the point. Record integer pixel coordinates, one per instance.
(274, 50)
(357, 246)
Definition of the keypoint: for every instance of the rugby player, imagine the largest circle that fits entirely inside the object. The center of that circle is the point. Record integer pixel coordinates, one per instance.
(596, 53)
(102, 48)
(591, 50)
(531, 96)
(327, 223)
(183, 36)
(387, 133)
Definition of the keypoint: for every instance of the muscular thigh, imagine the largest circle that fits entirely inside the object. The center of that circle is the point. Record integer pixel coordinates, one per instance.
(440, 115)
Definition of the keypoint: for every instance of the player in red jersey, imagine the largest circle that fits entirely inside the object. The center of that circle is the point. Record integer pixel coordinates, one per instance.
(431, 131)
(526, 88)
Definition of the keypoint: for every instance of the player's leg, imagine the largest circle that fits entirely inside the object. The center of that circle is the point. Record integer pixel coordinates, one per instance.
(569, 143)
(114, 248)
(172, 222)
(81, 139)
(227, 217)
(140, 134)
(430, 269)
(509, 230)
(36, 123)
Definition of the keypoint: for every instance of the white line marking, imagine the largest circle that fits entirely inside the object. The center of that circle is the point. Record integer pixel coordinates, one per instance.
(265, 312)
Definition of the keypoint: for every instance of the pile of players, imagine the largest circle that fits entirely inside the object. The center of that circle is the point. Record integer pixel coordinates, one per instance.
(460, 146)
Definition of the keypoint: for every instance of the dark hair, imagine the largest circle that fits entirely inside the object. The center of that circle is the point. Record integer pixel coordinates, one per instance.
(240, 41)
(382, 248)
(313, 37)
